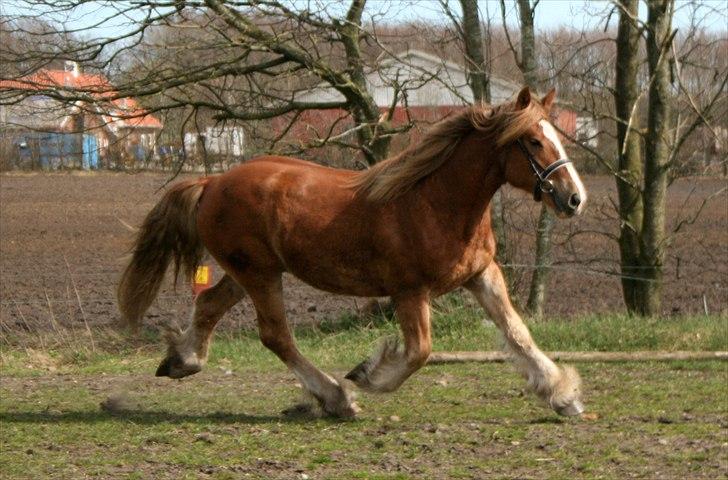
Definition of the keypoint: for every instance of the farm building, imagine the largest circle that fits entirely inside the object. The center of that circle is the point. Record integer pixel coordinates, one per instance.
(425, 80)
(430, 88)
(40, 130)
(220, 144)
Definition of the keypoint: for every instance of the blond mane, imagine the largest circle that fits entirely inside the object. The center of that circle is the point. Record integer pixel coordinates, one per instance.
(392, 177)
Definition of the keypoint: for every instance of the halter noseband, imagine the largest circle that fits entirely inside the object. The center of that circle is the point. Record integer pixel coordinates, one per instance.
(543, 184)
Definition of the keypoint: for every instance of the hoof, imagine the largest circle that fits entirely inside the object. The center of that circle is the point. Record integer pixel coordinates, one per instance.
(174, 367)
(299, 410)
(360, 374)
(384, 371)
(163, 368)
(340, 404)
(572, 409)
(342, 411)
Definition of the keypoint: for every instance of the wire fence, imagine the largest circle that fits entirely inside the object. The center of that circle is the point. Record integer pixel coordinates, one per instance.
(34, 295)
(109, 296)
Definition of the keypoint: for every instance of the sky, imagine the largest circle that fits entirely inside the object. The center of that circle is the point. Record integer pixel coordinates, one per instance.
(573, 14)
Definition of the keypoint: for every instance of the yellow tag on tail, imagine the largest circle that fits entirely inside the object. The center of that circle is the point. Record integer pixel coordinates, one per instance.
(202, 275)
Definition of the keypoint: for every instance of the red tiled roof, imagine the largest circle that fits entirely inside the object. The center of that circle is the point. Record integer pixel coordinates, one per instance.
(128, 111)
(125, 112)
(45, 79)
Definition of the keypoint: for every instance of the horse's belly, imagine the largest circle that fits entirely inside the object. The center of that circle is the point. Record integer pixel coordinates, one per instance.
(343, 285)
(353, 269)
(338, 272)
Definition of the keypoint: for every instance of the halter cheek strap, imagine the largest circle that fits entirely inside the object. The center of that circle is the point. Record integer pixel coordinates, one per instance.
(543, 184)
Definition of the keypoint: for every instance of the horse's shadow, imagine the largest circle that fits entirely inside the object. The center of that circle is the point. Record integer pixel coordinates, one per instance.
(153, 417)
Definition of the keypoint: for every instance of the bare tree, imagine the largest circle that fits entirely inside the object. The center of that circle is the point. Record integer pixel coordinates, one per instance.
(471, 32)
(629, 154)
(472, 36)
(646, 117)
(643, 182)
(258, 46)
(656, 169)
(528, 65)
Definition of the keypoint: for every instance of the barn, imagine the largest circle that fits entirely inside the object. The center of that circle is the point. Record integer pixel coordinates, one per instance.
(429, 89)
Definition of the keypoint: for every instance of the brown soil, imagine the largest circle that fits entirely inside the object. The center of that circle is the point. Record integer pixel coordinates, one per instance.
(63, 238)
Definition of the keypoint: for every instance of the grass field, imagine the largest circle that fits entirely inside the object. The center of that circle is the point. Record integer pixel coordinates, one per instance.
(70, 410)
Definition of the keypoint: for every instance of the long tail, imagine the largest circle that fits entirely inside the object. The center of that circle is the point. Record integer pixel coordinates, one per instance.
(169, 232)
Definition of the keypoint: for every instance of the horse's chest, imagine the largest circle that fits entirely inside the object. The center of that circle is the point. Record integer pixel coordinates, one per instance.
(454, 267)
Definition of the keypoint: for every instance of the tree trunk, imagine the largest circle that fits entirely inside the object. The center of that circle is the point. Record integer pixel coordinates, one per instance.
(537, 289)
(657, 152)
(528, 44)
(478, 78)
(475, 60)
(630, 166)
(642, 239)
(372, 136)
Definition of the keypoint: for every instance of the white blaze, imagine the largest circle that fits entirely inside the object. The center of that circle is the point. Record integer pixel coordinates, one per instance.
(550, 133)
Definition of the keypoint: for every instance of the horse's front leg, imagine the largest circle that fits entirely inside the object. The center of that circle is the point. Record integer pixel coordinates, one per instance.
(559, 387)
(391, 365)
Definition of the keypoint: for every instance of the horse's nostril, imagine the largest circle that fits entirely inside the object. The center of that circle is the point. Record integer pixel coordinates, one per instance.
(574, 201)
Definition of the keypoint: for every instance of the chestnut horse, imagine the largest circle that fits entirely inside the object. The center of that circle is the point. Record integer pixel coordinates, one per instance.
(412, 227)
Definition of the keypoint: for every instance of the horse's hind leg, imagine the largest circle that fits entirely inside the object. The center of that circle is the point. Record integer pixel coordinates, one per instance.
(276, 336)
(387, 369)
(560, 387)
(188, 349)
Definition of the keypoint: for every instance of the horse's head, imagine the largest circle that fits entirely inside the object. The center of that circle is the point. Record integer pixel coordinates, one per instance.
(538, 162)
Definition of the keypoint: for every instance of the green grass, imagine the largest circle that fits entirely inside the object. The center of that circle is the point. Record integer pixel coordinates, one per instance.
(333, 344)
(650, 419)
(466, 421)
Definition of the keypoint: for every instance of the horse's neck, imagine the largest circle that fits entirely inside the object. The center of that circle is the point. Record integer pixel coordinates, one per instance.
(462, 188)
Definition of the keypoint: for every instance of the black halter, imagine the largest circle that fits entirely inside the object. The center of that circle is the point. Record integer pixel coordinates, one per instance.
(543, 184)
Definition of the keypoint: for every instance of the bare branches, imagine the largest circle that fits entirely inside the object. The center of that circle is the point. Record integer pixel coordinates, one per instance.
(244, 59)
(689, 220)
(701, 114)
(228, 60)
(508, 36)
(277, 112)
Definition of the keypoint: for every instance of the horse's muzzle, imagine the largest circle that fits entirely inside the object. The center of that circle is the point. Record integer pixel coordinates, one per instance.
(573, 203)
(572, 409)
(566, 203)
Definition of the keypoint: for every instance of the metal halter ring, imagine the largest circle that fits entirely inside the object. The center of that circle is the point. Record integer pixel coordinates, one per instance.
(546, 186)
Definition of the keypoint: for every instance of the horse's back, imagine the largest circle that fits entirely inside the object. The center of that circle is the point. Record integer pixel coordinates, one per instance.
(273, 163)
(277, 214)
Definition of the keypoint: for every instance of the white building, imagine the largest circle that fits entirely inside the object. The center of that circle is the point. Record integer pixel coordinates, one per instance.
(423, 80)
(227, 140)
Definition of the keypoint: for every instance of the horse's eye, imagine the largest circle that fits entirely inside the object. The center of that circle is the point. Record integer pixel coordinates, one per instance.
(535, 143)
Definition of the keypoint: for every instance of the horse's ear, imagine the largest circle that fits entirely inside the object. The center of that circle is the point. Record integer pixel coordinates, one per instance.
(524, 98)
(548, 100)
